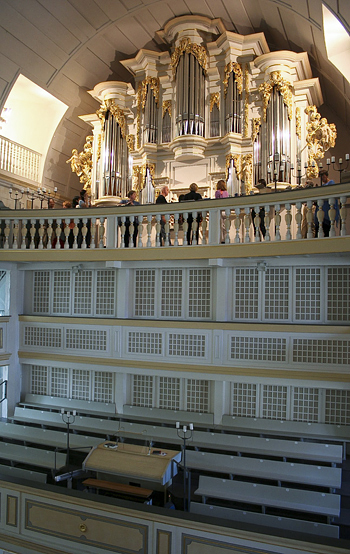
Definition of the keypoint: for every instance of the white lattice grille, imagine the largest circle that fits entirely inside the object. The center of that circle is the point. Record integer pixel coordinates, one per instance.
(306, 404)
(337, 410)
(140, 342)
(41, 292)
(39, 375)
(169, 393)
(61, 292)
(80, 384)
(246, 298)
(103, 386)
(83, 293)
(190, 346)
(199, 293)
(105, 292)
(321, 351)
(243, 400)
(59, 382)
(197, 395)
(42, 336)
(274, 402)
(142, 391)
(308, 294)
(171, 305)
(265, 349)
(338, 294)
(276, 298)
(144, 293)
(86, 339)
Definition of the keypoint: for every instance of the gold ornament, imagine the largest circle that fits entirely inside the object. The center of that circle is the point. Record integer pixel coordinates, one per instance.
(118, 114)
(236, 68)
(188, 47)
(283, 86)
(321, 136)
(214, 99)
(247, 172)
(153, 83)
(246, 101)
(256, 122)
(166, 107)
(81, 163)
(298, 122)
(130, 141)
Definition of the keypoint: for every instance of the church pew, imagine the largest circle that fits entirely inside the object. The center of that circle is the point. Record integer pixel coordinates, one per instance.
(319, 452)
(168, 416)
(320, 503)
(323, 476)
(21, 473)
(32, 456)
(266, 520)
(37, 435)
(56, 403)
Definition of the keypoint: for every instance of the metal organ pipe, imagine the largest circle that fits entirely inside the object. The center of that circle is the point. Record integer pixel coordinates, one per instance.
(190, 92)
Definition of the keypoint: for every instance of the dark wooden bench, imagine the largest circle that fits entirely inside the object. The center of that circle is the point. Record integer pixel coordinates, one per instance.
(120, 489)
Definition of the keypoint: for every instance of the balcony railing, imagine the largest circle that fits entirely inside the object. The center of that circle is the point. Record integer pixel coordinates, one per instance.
(289, 215)
(19, 160)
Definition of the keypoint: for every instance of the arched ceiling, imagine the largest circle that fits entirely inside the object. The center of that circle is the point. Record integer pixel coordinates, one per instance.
(68, 46)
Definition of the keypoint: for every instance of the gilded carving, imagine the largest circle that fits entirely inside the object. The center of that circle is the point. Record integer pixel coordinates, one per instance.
(139, 175)
(153, 83)
(214, 99)
(81, 163)
(130, 141)
(283, 86)
(246, 101)
(236, 68)
(298, 122)
(320, 137)
(118, 114)
(166, 107)
(237, 162)
(247, 172)
(188, 47)
(256, 123)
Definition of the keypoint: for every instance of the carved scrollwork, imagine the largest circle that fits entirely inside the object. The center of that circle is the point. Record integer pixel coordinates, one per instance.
(130, 141)
(236, 68)
(246, 101)
(298, 122)
(118, 114)
(188, 47)
(214, 99)
(256, 123)
(139, 175)
(320, 137)
(81, 163)
(166, 107)
(283, 86)
(153, 83)
(247, 172)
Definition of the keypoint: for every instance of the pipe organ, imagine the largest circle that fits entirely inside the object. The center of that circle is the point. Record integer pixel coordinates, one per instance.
(212, 103)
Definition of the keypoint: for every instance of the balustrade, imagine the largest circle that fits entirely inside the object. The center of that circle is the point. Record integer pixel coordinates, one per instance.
(280, 216)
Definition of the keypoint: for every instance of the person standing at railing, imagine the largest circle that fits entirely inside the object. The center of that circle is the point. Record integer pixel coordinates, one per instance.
(262, 189)
(326, 223)
(193, 195)
(221, 192)
(130, 201)
(162, 200)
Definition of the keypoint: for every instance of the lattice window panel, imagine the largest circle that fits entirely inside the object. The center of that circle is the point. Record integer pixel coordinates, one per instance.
(103, 386)
(42, 336)
(144, 304)
(307, 294)
(246, 293)
(169, 393)
(142, 391)
(105, 292)
(337, 408)
(244, 400)
(321, 351)
(199, 293)
(39, 379)
(171, 305)
(190, 346)
(274, 402)
(86, 339)
(61, 292)
(140, 342)
(197, 395)
(41, 292)
(81, 384)
(276, 297)
(59, 382)
(83, 293)
(306, 404)
(267, 349)
(338, 294)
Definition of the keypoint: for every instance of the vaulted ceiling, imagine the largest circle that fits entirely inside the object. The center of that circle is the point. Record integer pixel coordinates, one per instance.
(68, 46)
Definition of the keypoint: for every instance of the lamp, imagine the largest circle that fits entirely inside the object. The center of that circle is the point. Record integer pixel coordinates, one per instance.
(185, 432)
